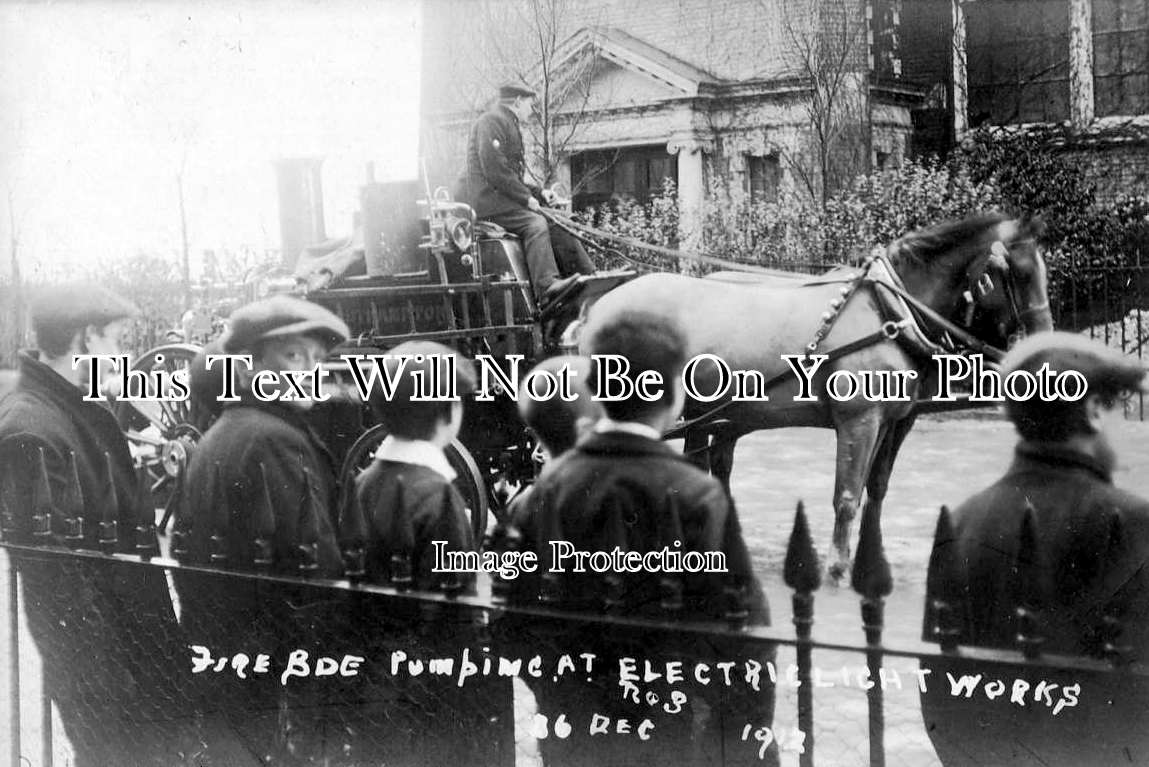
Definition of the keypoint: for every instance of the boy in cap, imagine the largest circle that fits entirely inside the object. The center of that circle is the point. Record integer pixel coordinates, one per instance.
(409, 482)
(253, 440)
(1091, 541)
(260, 473)
(493, 185)
(87, 616)
(616, 488)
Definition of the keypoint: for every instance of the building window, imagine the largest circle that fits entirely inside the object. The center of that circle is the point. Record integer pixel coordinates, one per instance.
(763, 175)
(1120, 57)
(1017, 54)
(626, 173)
(885, 27)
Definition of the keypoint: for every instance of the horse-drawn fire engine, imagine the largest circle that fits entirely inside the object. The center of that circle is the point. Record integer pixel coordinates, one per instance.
(413, 270)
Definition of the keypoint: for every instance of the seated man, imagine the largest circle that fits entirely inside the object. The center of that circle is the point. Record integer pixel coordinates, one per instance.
(406, 495)
(493, 185)
(1091, 546)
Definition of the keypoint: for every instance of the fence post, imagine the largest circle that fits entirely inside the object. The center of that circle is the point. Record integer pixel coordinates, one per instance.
(45, 720)
(403, 535)
(353, 538)
(1028, 590)
(308, 547)
(109, 535)
(73, 506)
(871, 579)
(42, 503)
(802, 573)
(670, 532)
(263, 555)
(13, 657)
(946, 622)
(146, 541)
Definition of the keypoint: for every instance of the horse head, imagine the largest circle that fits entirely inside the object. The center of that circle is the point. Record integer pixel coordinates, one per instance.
(985, 273)
(1009, 287)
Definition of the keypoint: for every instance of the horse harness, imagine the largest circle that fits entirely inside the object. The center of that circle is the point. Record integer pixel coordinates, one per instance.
(910, 313)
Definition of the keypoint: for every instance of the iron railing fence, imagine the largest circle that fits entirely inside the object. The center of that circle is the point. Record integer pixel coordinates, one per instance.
(121, 659)
(1109, 304)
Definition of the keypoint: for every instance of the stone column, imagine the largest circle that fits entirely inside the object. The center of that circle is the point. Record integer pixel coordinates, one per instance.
(691, 190)
(1080, 62)
(961, 82)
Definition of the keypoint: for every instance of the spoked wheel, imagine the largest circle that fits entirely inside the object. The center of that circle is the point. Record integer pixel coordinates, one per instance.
(162, 434)
(468, 481)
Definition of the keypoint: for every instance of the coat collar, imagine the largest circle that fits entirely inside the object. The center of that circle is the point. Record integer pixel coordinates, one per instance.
(625, 443)
(1030, 455)
(38, 377)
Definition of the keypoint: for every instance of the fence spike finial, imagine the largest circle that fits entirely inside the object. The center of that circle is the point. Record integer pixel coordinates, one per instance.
(801, 572)
(943, 614)
(219, 548)
(871, 576)
(42, 501)
(550, 582)
(263, 555)
(402, 535)
(146, 542)
(1028, 587)
(672, 538)
(450, 584)
(614, 585)
(353, 536)
(109, 536)
(73, 505)
(308, 547)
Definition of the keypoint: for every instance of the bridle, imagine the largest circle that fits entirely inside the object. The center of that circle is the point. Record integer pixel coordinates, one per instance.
(980, 284)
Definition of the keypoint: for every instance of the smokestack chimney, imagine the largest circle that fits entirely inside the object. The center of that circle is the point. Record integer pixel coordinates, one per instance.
(300, 185)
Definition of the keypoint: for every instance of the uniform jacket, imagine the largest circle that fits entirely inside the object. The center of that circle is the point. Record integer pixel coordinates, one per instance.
(492, 182)
(246, 436)
(1092, 544)
(434, 508)
(638, 473)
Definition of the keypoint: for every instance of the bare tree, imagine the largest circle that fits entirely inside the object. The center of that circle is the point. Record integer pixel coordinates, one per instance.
(828, 48)
(531, 42)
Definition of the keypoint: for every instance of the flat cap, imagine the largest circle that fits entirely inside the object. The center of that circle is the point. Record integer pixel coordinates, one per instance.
(514, 90)
(427, 356)
(1104, 369)
(78, 305)
(279, 316)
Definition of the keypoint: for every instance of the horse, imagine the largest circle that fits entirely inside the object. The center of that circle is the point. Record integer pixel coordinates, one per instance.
(981, 279)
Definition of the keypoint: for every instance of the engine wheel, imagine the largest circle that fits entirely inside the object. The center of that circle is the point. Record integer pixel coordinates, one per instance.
(162, 434)
(469, 480)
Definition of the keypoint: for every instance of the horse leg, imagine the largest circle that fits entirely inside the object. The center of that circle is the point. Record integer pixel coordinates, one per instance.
(858, 439)
(879, 480)
(722, 458)
(696, 448)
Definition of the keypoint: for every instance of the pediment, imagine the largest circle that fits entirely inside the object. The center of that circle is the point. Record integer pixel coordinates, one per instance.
(603, 68)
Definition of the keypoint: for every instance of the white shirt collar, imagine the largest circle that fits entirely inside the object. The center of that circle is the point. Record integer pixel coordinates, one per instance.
(417, 451)
(627, 427)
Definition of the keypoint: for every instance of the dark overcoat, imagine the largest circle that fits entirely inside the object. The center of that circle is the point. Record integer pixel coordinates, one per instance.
(1092, 547)
(223, 490)
(492, 182)
(105, 629)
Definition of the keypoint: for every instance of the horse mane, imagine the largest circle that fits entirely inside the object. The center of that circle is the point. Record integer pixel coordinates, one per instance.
(923, 245)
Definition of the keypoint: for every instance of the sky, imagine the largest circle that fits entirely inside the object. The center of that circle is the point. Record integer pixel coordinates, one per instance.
(103, 103)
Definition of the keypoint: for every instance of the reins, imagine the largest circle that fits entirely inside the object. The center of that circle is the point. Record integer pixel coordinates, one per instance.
(956, 337)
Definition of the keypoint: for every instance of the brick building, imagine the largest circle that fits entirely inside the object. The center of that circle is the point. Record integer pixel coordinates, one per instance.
(1080, 67)
(770, 95)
